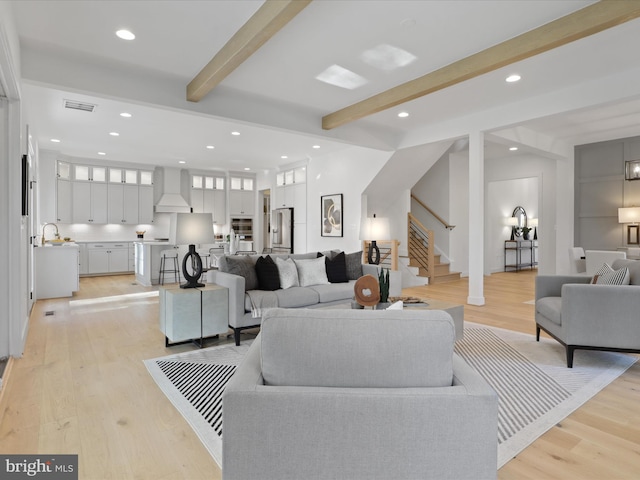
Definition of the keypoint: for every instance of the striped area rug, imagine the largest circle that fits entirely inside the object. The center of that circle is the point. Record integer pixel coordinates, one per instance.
(535, 388)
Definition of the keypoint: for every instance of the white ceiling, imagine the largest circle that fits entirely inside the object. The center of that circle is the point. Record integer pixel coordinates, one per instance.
(69, 51)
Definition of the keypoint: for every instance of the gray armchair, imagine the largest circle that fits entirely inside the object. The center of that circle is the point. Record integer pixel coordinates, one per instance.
(355, 394)
(590, 317)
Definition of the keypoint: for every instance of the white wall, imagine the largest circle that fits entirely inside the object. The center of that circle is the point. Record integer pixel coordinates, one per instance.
(459, 213)
(348, 173)
(502, 197)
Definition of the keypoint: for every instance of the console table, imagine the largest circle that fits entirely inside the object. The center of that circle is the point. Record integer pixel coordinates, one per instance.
(523, 253)
(193, 314)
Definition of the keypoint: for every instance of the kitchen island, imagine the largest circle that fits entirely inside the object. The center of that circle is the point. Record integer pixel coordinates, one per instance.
(56, 269)
(147, 261)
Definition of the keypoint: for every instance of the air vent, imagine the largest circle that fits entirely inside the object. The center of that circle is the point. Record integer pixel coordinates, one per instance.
(76, 105)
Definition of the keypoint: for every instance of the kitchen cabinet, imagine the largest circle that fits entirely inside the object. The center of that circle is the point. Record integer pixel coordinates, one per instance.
(242, 196)
(208, 196)
(108, 257)
(145, 205)
(63, 201)
(291, 192)
(89, 202)
(83, 260)
(123, 203)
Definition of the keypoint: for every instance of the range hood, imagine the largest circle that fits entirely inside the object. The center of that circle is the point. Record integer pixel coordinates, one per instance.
(170, 196)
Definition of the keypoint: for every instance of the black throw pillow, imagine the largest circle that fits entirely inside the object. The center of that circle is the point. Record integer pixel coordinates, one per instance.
(268, 275)
(336, 268)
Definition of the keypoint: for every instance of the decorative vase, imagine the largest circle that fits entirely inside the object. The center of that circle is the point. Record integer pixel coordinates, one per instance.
(525, 235)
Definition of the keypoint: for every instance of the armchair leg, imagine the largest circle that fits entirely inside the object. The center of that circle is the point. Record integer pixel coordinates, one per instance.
(236, 336)
(537, 332)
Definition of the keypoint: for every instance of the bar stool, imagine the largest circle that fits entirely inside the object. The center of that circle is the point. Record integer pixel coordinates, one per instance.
(172, 256)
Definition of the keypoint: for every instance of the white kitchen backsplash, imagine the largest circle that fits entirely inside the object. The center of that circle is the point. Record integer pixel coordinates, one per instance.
(82, 232)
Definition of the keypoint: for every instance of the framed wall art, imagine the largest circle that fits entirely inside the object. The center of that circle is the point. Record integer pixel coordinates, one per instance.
(331, 215)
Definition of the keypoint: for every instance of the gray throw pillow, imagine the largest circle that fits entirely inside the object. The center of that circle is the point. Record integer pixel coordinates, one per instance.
(311, 272)
(288, 273)
(353, 263)
(240, 265)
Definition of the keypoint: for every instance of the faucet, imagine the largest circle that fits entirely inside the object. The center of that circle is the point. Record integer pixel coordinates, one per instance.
(44, 226)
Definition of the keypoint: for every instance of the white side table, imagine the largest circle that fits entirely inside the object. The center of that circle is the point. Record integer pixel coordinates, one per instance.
(193, 314)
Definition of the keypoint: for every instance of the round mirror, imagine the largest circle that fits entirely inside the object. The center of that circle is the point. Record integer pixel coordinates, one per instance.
(521, 215)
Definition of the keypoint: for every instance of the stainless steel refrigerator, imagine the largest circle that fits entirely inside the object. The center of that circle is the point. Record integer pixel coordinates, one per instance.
(282, 230)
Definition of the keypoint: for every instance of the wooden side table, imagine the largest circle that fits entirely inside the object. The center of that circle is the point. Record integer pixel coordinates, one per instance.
(193, 314)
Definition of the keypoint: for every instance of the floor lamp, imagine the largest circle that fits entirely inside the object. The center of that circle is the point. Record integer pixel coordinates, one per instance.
(192, 229)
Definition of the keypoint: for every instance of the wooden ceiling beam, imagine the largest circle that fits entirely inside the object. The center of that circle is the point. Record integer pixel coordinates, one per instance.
(264, 24)
(582, 23)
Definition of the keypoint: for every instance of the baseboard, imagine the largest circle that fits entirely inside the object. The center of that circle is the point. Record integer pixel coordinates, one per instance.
(5, 381)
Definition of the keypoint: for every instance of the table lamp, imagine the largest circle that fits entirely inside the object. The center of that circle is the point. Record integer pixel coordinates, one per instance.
(192, 229)
(513, 223)
(374, 229)
(630, 215)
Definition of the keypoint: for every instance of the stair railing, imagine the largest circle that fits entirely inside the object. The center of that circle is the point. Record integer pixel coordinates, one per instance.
(434, 214)
(421, 247)
(388, 253)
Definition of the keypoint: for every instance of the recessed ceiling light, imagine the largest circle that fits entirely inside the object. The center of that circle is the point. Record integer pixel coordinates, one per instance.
(341, 77)
(181, 161)
(125, 35)
(114, 134)
(387, 57)
(55, 140)
(403, 114)
(101, 153)
(210, 147)
(247, 168)
(235, 133)
(513, 149)
(316, 146)
(125, 115)
(513, 78)
(283, 157)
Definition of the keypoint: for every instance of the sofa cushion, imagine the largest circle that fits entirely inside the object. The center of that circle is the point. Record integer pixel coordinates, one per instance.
(353, 262)
(294, 348)
(336, 268)
(288, 273)
(267, 272)
(334, 291)
(240, 265)
(311, 272)
(551, 308)
(634, 269)
(296, 297)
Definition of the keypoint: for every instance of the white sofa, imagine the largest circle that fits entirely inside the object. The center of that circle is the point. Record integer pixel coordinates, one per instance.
(241, 316)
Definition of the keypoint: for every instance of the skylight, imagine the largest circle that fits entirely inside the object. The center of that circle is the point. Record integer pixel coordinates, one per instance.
(387, 57)
(341, 77)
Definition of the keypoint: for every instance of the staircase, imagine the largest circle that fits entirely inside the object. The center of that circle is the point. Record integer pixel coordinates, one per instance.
(422, 256)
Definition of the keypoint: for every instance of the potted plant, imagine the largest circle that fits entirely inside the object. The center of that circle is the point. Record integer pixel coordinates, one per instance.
(525, 232)
(383, 280)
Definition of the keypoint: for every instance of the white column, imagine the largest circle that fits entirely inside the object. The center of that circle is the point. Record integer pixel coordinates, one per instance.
(476, 218)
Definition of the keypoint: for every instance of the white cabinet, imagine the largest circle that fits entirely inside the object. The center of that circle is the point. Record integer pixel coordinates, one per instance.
(242, 196)
(86, 173)
(145, 204)
(291, 192)
(83, 260)
(89, 202)
(63, 201)
(108, 257)
(208, 196)
(123, 203)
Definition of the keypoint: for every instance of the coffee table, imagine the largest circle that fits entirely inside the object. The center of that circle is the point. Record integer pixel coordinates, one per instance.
(456, 311)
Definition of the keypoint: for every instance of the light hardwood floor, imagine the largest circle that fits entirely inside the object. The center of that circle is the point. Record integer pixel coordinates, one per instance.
(81, 387)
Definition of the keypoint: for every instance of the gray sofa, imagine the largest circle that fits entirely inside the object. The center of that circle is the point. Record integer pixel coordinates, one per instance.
(241, 314)
(357, 395)
(590, 317)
